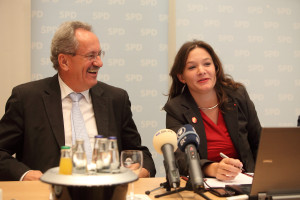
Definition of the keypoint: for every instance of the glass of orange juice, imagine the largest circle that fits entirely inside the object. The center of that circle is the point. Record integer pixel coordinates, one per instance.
(65, 163)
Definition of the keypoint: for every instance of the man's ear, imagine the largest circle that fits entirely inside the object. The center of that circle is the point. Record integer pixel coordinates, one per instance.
(63, 62)
(181, 78)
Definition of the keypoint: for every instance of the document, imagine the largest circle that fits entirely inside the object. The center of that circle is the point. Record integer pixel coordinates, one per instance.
(141, 197)
(239, 179)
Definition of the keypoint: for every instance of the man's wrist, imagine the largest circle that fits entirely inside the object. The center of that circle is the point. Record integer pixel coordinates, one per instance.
(22, 177)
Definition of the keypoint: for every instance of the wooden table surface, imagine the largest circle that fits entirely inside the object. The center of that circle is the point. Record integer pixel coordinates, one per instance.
(37, 190)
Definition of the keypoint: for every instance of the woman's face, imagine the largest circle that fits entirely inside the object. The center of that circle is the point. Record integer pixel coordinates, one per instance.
(199, 72)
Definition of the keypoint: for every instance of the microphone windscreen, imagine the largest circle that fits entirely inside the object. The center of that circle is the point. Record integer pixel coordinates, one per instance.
(164, 136)
(187, 135)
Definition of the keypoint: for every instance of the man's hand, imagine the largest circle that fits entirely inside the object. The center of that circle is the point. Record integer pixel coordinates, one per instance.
(33, 175)
(144, 173)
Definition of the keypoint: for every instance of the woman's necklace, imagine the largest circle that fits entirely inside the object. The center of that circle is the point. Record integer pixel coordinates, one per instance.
(210, 108)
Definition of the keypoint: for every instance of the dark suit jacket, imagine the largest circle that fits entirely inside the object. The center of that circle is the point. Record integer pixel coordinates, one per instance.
(32, 126)
(242, 123)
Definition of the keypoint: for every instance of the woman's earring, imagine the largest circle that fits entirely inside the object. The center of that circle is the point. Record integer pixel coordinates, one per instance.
(182, 89)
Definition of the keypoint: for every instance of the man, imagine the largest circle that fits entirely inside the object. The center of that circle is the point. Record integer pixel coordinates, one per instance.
(37, 119)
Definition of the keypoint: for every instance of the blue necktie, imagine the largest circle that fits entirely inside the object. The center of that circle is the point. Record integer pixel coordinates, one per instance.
(78, 125)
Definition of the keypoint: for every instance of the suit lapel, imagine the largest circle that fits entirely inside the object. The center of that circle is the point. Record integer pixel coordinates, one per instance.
(100, 106)
(231, 121)
(53, 107)
(195, 120)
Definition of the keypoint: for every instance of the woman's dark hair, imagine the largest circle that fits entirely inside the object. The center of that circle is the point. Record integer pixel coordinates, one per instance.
(222, 80)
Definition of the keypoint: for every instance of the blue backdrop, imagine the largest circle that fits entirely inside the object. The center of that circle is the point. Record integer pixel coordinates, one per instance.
(257, 41)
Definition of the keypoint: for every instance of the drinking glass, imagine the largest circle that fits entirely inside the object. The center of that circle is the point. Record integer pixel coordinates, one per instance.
(133, 160)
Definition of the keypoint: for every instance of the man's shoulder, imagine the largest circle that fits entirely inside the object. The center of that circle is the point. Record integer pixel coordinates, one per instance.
(107, 89)
(107, 86)
(35, 84)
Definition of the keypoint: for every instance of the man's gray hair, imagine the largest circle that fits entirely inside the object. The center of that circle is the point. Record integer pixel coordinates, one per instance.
(64, 40)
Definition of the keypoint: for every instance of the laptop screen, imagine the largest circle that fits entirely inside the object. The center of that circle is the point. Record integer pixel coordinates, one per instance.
(277, 169)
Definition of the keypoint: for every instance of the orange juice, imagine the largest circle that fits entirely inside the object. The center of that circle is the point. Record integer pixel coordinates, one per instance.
(65, 163)
(65, 166)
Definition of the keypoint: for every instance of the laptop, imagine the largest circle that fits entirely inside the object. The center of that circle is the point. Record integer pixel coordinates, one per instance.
(277, 169)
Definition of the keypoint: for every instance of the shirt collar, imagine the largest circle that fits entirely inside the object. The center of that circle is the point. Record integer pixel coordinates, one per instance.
(66, 90)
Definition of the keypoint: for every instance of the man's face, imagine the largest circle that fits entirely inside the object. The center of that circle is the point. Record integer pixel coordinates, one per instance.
(82, 69)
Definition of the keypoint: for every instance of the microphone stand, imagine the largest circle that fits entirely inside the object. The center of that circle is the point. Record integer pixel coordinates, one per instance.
(162, 185)
(165, 184)
(188, 187)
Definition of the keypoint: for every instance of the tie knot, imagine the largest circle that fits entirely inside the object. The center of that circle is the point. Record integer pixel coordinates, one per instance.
(75, 96)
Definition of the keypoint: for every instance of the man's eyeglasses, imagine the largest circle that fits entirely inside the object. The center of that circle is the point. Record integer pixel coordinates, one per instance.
(92, 57)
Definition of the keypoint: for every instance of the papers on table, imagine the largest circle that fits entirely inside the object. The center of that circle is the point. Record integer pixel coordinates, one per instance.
(141, 197)
(239, 179)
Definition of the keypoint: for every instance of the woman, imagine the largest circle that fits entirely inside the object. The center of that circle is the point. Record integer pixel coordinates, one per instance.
(217, 107)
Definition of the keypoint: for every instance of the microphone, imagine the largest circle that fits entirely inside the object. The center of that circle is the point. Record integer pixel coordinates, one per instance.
(188, 142)
(165, 142)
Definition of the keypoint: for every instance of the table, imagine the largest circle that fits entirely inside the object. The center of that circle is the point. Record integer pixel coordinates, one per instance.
(37, 190)
(24, 190)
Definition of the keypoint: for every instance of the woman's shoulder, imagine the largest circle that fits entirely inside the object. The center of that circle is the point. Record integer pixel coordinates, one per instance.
(174, 103)
(176, 100)
(237, 93)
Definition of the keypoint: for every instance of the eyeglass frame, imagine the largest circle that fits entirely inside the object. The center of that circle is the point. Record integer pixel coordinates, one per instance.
(90, 56)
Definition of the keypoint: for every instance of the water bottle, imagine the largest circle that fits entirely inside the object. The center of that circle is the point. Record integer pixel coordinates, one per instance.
(79, 158)
(103, 157)
(113, 149)
(92, 167)
(65, 163)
